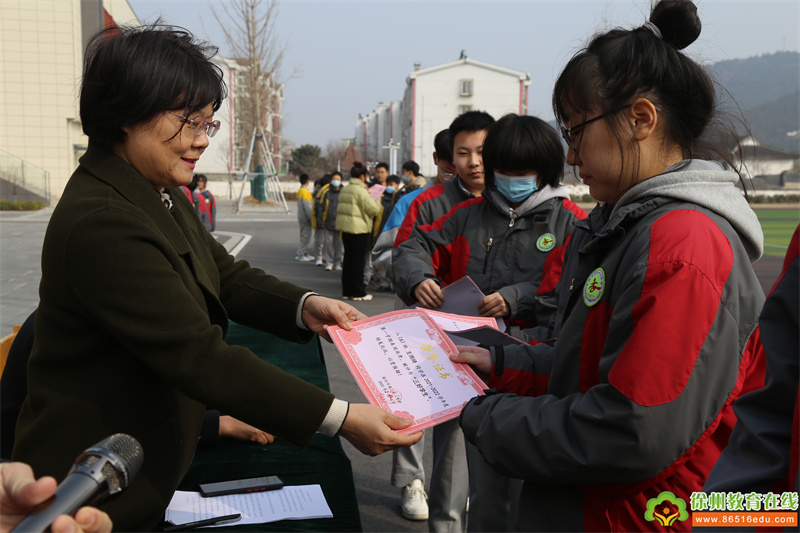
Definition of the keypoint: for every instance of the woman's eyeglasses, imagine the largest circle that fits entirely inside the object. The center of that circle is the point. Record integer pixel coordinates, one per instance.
(210, 127)
(568, 132)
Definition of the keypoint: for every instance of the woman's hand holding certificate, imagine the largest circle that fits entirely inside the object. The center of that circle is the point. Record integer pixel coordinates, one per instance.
(402, 362)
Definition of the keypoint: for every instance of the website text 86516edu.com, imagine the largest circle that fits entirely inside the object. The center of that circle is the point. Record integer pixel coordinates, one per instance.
(729, 519)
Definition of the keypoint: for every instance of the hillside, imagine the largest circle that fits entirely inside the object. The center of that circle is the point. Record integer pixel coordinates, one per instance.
(776, 123)
(767, 89)
(759, 79)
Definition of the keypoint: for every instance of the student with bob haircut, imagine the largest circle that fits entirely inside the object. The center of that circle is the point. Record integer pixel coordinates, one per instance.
(136, 296)
(657, 316)
(511, 242)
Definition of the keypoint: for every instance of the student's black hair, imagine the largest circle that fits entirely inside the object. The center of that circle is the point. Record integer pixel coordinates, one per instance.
(131, 74)
(337, 173)
(621, 65)
(198, 177)
(519, 143)
(443, 145)
(411, 166)
(469, 121)
(382, 165)
(303, 179)
(393, 178)
(358, 170)
(326, 179)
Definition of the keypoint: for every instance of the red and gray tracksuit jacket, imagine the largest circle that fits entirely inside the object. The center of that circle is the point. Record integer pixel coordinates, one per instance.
(516, 252)
(660, 305)
(764, 452)
(430, 205)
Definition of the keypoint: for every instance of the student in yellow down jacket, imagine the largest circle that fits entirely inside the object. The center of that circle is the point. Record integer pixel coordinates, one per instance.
(354, 216)
(305, 216)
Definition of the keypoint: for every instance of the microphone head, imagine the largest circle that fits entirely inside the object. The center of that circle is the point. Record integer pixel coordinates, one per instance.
(113, 461)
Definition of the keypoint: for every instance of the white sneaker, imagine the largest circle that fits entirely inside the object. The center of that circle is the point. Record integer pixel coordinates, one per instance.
(318, 263)
(414, 505)
(305, 258)
(328, 267)
(366, 298)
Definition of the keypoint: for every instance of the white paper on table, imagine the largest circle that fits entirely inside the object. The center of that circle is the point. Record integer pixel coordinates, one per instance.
(401, 361)
(289, 503)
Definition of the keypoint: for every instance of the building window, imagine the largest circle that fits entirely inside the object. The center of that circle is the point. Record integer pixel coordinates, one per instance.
(466, 87)
(464, 108)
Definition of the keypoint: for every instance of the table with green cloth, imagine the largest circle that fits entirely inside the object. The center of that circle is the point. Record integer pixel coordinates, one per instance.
(323, 462)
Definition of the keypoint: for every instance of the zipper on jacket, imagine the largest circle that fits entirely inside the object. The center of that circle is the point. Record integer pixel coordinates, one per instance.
(486, 259)
(511, 218)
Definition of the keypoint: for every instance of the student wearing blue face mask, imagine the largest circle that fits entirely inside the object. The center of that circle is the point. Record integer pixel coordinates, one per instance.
(511, 242)
(387, 200)
(326, 206)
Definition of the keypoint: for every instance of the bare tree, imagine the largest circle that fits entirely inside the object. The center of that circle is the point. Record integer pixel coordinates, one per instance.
(335, 151)
(249, 28)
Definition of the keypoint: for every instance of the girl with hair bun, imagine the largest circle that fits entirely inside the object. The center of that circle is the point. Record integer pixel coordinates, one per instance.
(656, 329)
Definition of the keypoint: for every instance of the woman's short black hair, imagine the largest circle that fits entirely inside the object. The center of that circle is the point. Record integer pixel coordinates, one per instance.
(130, 74)
(517, 143)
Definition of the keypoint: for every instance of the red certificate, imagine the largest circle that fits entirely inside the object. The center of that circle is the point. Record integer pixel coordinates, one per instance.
(401, 362)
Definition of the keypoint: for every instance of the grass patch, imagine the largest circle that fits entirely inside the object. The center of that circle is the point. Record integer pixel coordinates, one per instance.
(9, 205)
(778, 226)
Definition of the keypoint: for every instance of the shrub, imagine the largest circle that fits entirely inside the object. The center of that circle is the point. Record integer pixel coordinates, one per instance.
(27, 205)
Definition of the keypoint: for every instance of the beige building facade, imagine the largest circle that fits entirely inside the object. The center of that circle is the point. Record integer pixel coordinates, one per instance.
(41, 56)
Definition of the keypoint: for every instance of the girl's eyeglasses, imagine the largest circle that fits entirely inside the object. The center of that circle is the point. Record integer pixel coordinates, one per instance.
(567, 133)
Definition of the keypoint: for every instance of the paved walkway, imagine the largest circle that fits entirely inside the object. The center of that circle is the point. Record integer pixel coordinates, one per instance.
(21, 237)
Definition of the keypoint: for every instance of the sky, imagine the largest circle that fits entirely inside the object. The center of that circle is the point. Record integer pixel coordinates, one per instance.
(343, 58)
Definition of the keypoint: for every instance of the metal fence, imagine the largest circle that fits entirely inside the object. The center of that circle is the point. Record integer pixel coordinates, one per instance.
(22, 181)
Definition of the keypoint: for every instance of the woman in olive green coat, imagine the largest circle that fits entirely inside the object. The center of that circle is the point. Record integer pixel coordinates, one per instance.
(136, 295)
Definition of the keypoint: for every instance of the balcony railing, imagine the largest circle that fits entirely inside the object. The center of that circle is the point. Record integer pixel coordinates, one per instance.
(22, 180)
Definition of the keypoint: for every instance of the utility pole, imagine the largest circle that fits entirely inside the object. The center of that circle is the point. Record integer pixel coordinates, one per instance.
(393, 148)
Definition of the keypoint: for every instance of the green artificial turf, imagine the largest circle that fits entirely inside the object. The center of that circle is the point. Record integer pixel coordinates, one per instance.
(778, 226)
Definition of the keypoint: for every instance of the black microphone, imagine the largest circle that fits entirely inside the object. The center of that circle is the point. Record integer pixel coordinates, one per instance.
(99, 472)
